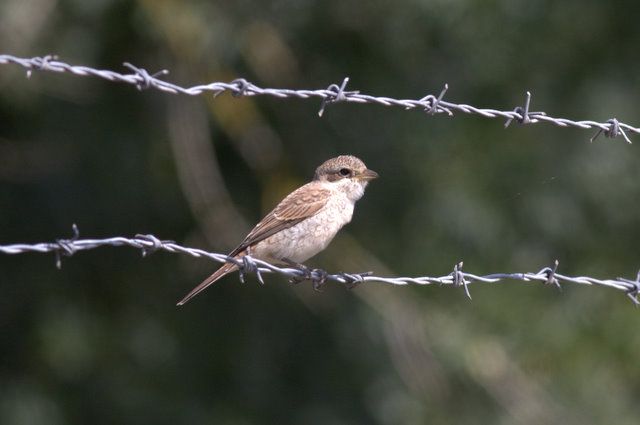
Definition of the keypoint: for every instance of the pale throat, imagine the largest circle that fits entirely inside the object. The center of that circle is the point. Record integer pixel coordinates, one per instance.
(353, 190)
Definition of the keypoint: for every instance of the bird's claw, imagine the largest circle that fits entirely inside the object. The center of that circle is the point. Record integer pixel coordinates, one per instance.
(352, 284)
(318, 277)
(319, 281)
(301, 267)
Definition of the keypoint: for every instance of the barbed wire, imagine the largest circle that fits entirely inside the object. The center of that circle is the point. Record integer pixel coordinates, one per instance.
(335, 93)
(458, 278)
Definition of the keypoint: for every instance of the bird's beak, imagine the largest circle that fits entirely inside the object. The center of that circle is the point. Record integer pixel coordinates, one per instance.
(367, 175)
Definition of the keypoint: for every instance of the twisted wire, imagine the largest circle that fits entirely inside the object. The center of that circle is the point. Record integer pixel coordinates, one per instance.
(458, 278)
(430, 104)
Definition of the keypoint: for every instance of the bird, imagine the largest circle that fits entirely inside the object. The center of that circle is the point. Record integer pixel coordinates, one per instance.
(305, 221)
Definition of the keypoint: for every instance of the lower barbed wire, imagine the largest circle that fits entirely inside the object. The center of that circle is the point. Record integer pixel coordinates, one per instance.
(148, 243)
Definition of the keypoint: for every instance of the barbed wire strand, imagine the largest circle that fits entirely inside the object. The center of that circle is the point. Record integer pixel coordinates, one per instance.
(335, 93)
(458, 278)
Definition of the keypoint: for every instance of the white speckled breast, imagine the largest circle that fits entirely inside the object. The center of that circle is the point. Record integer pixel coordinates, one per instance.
(304, 240)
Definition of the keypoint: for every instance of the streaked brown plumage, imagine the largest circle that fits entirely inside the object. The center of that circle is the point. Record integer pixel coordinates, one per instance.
(304, 222)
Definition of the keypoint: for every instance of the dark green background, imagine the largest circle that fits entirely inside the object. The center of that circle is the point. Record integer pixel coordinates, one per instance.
(101, 341)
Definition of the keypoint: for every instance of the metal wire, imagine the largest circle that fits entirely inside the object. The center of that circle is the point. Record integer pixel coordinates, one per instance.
(458, 278)
(335, 93)
(430, 104)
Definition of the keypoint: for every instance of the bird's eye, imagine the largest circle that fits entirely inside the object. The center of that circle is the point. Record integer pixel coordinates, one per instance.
(345, 172)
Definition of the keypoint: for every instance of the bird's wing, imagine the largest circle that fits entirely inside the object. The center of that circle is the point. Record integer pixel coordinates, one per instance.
(301, 204)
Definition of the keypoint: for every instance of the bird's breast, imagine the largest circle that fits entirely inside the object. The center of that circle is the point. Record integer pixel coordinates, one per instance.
(305, 239)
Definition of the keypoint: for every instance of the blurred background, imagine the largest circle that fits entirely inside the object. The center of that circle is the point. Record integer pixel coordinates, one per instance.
(102, 342)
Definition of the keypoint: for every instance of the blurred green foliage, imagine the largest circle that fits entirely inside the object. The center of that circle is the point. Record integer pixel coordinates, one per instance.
(101, 341)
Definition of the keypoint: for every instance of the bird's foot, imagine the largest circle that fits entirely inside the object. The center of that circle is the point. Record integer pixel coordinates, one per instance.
(306, 273)
(318, 277)
(320, 280)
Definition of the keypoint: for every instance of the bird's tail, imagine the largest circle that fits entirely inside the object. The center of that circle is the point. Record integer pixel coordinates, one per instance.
(222, 271)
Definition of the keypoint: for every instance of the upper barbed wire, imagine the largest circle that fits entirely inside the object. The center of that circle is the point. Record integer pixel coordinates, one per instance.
(431, 104)
(149, 244)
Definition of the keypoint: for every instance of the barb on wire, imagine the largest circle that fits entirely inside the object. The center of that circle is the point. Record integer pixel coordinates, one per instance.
(149, 243)
(250, 266)
(65, 246)
(551, 275)
(459, 280)
(145, 79)
(436, 103)
(142, 79)
(522, 115)
(634, 289)
(612, 132)
(335, 94)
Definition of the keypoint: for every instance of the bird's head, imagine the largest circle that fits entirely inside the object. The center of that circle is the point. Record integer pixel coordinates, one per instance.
(348, 173)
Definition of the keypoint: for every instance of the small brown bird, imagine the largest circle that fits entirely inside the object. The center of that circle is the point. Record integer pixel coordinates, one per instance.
(304, 222)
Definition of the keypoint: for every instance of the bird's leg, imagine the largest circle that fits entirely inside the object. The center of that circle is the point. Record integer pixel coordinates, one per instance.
(307, 274)
(304, 269)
